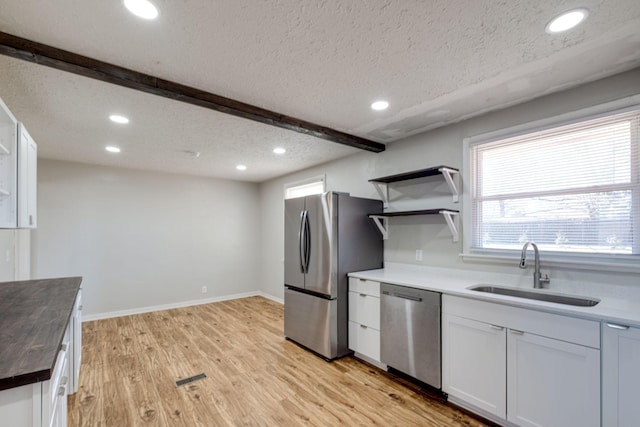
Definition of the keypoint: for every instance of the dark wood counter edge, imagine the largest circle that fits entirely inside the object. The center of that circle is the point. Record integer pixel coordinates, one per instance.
(26, 379)
(43, 374)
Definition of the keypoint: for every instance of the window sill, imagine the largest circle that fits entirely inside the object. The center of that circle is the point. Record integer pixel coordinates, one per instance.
(628, 264)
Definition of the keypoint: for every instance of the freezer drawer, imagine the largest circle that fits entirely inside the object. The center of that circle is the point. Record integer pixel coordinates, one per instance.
(312, 322)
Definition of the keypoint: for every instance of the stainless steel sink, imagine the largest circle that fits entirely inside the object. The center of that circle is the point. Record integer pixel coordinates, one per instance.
(537, 295)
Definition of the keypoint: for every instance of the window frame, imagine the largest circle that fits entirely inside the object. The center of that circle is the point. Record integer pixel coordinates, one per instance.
(606, 262)
(303, 182)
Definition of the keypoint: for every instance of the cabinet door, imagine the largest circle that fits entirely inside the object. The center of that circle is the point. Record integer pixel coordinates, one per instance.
(620, 376)
(551, 382)
(474, 363)
(8, 167)
(27, 179)
(75, 358)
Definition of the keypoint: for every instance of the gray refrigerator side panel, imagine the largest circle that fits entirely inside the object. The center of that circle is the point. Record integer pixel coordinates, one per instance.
(311, 321)
(359, 247)
(322, 211)
(293, 275)
(359, 240)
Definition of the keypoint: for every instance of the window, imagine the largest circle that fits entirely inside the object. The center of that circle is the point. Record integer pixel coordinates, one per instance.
(572, 189)
(304, 188)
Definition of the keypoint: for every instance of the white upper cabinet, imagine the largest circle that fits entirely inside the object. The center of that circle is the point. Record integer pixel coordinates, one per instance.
(8, 168)
(18, 173)
(27, 179)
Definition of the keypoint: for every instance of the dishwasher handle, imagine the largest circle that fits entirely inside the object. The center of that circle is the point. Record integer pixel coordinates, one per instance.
(403, 296)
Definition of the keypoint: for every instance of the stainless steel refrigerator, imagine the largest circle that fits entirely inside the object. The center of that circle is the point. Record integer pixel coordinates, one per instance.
(326, 236)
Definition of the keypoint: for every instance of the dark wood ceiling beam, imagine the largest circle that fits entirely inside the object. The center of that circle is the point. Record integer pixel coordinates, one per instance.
(38, 53)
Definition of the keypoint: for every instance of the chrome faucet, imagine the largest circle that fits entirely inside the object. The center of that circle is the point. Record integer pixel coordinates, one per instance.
(538, 280)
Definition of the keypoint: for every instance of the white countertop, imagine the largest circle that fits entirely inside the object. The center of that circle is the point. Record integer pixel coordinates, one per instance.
(625, 311)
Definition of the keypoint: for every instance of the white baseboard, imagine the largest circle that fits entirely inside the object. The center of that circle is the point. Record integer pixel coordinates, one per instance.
(271, 297)
(181, 304)
(481, 412)
(370, 361)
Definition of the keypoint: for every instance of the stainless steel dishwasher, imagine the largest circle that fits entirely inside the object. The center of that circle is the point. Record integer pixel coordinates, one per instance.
(410, 332)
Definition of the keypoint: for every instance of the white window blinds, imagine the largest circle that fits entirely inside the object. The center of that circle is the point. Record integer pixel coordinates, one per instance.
(573, 189)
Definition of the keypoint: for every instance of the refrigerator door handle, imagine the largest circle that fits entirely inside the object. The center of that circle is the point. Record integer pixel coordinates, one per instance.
(307, 240)
(301, 242)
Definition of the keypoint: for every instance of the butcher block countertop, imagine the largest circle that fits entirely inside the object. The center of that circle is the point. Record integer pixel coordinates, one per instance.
(33, 318)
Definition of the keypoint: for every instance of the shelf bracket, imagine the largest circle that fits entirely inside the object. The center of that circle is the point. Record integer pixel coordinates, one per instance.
(383, 191)
(448, 175)
(449, 217)
(382, 226)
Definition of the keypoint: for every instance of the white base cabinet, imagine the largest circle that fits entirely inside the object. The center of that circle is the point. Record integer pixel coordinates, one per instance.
(54, 391)
(364, 319)
(474, 360)
(551, 382)
(620, 375)
(75, 354)
(526, 367)
(44, 404)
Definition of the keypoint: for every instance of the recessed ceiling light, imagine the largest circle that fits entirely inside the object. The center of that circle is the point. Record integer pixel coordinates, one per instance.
(566, 21)
(118, 119)
(142, 8)
(241, 167)
(279, 150)
(380, 105)
(112, 149)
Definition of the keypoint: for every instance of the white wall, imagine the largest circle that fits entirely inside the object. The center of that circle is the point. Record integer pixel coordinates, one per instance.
(441, 146)
(144, 239)
(7, 255)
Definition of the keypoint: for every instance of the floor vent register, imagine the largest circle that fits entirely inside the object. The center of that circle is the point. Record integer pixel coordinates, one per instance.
(190, 379)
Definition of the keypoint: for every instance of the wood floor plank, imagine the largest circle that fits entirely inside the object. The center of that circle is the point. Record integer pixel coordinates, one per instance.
(255, 377)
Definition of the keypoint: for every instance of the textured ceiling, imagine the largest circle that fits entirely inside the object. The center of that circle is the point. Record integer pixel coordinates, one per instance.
(67, 115)
(436, 62)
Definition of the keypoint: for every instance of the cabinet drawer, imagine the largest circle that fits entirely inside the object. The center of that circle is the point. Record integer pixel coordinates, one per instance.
(362, 286)
(57, 386)
(564, 328)
(364, 309)
(364, 340)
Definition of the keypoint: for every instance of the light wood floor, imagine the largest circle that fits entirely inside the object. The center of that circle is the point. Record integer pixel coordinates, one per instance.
(255, 377)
